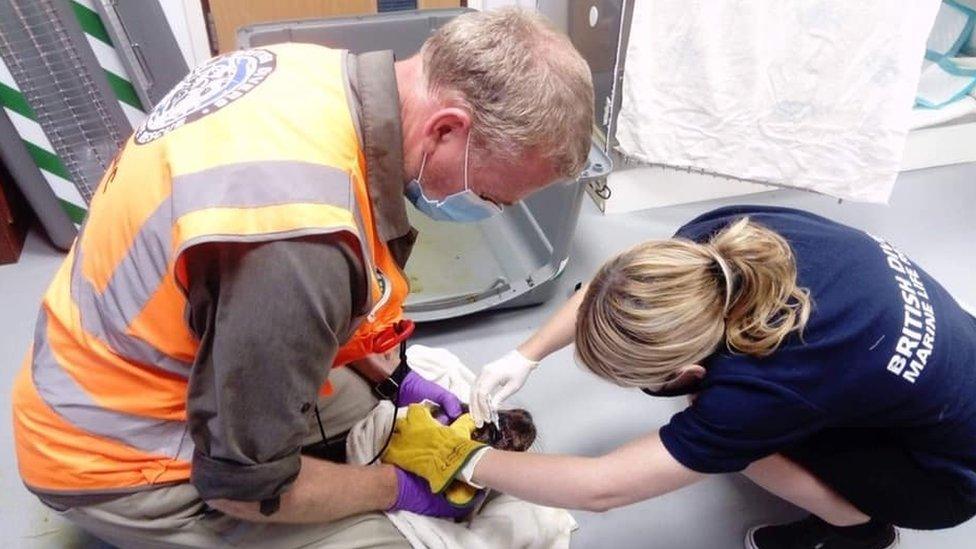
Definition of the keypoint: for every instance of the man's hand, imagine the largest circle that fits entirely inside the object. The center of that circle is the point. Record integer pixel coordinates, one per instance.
(416, 389)
(323, 492)
(424, 447)
(497, 381)
(376, 367)
(414, 495)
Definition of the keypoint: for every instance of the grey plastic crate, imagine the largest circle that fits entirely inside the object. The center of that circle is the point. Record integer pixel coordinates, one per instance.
(456, 269)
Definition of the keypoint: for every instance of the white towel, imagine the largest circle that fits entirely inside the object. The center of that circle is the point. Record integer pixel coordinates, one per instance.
(950, 31)
(946, 77)
(815, 94)
(923, 117)
(970, 47)
(504, 522)
(944, 83)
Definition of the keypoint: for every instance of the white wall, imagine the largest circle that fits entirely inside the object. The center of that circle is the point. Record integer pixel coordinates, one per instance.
(556, 10)
(492, 4)
(185, 17)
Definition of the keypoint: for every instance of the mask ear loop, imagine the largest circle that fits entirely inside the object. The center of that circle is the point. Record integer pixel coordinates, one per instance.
(423, 162)
(467, 145)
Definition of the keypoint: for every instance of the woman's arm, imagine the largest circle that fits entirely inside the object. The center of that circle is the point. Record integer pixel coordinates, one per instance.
(498, 380)
(558, 332)
(639, 470)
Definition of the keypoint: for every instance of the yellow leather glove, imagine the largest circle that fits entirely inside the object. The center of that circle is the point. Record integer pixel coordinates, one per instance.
(463, 425)
(424, 447)
(460, 493)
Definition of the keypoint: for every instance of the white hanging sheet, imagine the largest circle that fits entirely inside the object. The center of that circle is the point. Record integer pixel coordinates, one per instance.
(813, 94)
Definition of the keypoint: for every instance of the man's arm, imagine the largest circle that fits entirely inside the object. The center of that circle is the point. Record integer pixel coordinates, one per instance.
(377, 367)
(270, 318)
(323, 492)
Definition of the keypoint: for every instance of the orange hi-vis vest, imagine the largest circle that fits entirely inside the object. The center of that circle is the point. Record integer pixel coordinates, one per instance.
(253, 146)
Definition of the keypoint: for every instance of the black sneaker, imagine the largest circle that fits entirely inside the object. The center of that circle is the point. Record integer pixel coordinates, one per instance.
(813, 533)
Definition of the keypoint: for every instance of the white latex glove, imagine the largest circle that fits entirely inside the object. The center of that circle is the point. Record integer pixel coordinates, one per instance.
(497, 381)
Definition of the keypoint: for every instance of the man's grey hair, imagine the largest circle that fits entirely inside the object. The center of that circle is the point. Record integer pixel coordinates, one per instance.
(527, 88)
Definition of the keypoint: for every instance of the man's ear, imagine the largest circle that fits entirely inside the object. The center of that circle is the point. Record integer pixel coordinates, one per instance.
(445, 124)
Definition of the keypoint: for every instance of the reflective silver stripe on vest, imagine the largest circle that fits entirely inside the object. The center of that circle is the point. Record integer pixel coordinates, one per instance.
(107, 315)
(258, 184)
(70, 401)
(239, 186)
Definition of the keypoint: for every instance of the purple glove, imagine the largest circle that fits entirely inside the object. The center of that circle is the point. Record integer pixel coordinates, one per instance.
(414, 495)
(415, 389)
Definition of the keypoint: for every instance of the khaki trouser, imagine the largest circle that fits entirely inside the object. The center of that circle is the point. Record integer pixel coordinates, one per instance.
(175, 516)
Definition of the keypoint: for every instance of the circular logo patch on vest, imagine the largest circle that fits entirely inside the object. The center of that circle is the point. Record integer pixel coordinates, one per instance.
(207, 89)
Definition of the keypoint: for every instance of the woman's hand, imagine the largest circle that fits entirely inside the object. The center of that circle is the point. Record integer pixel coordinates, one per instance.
(497, 381)
(500, 379)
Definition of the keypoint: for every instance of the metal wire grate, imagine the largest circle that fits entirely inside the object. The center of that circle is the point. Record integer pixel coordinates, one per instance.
(60, 87)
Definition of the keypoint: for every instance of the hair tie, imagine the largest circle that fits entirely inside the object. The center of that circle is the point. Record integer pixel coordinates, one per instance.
(725, 275)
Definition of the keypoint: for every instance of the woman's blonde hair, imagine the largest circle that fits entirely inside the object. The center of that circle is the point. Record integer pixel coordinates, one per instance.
(670, 303)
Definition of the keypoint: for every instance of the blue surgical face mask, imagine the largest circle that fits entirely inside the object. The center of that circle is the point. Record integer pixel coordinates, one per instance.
(462, 207)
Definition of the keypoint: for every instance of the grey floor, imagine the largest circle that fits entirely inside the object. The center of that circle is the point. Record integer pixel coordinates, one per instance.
(932, 216)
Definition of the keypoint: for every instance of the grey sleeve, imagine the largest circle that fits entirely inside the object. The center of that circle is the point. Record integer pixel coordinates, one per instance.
(270, 318)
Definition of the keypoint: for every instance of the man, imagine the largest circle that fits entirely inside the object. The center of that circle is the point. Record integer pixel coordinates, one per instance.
(251, 234)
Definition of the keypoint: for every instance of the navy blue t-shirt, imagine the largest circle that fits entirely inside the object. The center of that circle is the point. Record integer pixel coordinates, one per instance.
(886, 347)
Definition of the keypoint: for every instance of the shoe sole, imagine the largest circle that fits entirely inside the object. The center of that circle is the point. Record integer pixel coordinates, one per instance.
(750, 542)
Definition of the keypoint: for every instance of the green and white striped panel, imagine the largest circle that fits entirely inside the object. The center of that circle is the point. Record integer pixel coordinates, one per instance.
(108, 58)
(24, 119)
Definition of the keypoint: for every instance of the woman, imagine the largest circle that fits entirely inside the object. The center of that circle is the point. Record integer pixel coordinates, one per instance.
(822, 363)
